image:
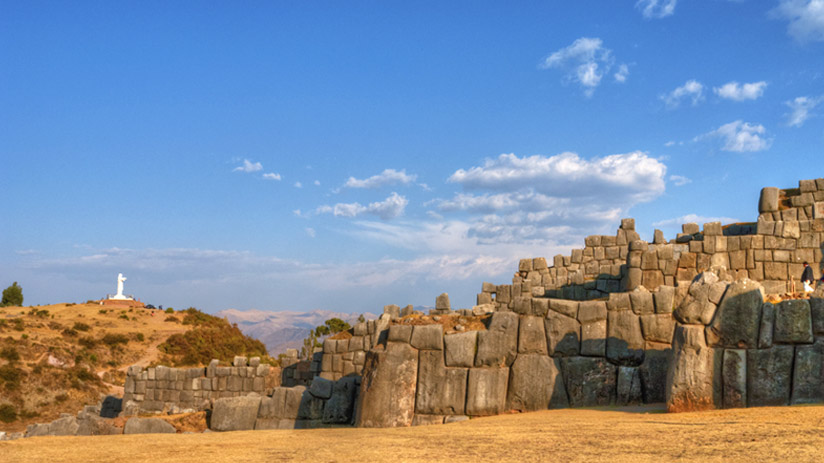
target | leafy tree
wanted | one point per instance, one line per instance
(13, 295)
(329, 327)
(361, 318)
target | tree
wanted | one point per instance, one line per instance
(329, 327)
(13, 295)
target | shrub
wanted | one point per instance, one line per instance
(170, 310)
(13, 295)
(61, 398)
(18, 324)
(55, 326)
(113, 339)
(139, 337)
(123, 316)
(69, 332)
(102, 311)
(213, 338)
(87, 342)
(7, 413)
(171, 318)
(12, 376)
(10, 354)
(79, 326)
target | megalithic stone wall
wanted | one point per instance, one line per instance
(743, 351)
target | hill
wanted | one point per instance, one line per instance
(282, 330)
(57, 358)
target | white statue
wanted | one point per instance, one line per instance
(120, 295)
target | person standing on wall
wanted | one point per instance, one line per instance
(807, 278)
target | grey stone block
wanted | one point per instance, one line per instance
(808, 378)
(625, 341)
(590, 382)
(793, 322)
(486, 391)
(460, 349)
(653, 372)
(734, 378)
(387, 394)
(321, 388)
(769, 372)
(427, 337)
(628, 388)
(441, 390)
(563, 335)
(535, 383)
(148, 426)
(658, 327)
(339, 408)
(498, 345)
(400, 333)
(737, 320)
(694, 376)
(641, 301)
(532, 336)
(765, 331)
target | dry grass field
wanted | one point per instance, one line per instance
(619, 435)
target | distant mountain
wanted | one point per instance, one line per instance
(284, 329)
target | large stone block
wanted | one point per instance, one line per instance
(311, 407)
(625, 341)
(427, 337)
(765, 331)
(563, 335)
(654, 372)
(321, 388)
(594, 338)
(400, 333)
(565, 307)
(641, 301)
(339, 408)
(590, 381)
(737, 319)
(442, 302)
(628, 389)
(658, 327)
(817, 310)
(441, 390)
(793, 322)
(769, 372)
(734, 378)
(768, 201)
(664, 299)
(151, 426)
(694, 376)
(387, 394)
(235, 413)
(535, 383)
(808, 380)
(498, 345)
(532, 336)
(460, 349)
(696, 306)
(486, 391)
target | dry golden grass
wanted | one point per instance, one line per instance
(756, 434)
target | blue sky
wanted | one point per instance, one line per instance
(348, 155)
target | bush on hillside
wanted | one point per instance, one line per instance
(13, 295)
(7, 413)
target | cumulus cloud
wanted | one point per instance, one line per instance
(801, 109)
(692, 89)
(693, 218)
(806, 19)
(271, 176)
(310, 232)
(679, 180)
(734, 91)
(391, 207)
(385, 178)
(656, 9)
(248, 167)
(298, 185)
(740, 137)
(585, 62)
(622, 73)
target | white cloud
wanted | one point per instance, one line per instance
(679, 180)
(298, 185)
(248, 166)
(656, 8)
(806, 19)
(691, 89)
(271, 176)
(585, 62)
(740, 137)
(391, 207)
(693, 218)
(802, 108)
(387, 177)
(310, 232)
(736, 92)
(317, 182)
(622, 73)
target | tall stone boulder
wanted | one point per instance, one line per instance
(625, 341)
(694, 376)
(734, 378)
(460, 349)
(653, 372)
(593, 318)
(768, 201)
(339, 408)
(387, 394)
(738, 317)
(793, 322)
(628, 388)
(486, 391)
(590, 381)
(769, 375)
(498, 345)
(563, 335)
(233, 414)
(697, 306)
(532, 336)
(535, 383)
(808, 374)
(441, 390)
(148, 426)
(817, 310)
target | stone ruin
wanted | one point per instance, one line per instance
(685, 322)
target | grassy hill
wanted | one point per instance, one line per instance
(55, 359)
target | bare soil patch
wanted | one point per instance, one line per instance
(611, 435)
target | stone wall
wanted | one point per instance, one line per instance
(163, 388)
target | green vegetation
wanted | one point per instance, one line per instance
(10, 377)
(79, 326)
(170, 310)
(13, 295)
(211, 338)
(10, 354)
(330, 327)
(7, 413)
(114, 339)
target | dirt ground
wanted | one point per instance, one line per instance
(614, 435)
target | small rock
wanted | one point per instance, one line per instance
(459, 328)
(436, 318)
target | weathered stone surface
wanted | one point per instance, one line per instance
(339, 407)
(321, 388)
(641, 301)
(293, 396)
(808, 380)
(765, 331)
(793, 322)
(817, 310)
(387, 394)
(768, 201)
(92, 425)
(628, 389)
(562, 306)
(64, 426)
(455, 419)
(460, 349)
(737, 319)
(532, 336)
(535, 383)
(618, 302)
(625, 342)
(441, 390)
(311, 407)
(769, 372)
(590, 381)
(592, 311)
(734, 378)
(694, 376)
(400, 333)
(658, 327)
(696, 306)
(594, 339)
(233, 414)
(149, 426)
(664, 299)
(442, 302)
(654, 372)
(427, 337)
(498, 345)
(563, 335)
(426, 420)
(486, 391)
